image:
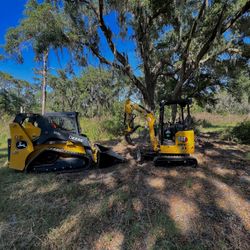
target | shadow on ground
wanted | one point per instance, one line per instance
(132, 206)
(3, 153)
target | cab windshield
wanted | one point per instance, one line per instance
(63, 122)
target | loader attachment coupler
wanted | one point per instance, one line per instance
(107, 157)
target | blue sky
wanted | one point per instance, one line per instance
(11, 12)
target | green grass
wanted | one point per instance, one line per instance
(208, 122)
(217, 127)
(94, 130)
(4, 134)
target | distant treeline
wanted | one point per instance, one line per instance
(95, 92)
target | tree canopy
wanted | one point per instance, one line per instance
(41, 29)
(187, 46)
(183, 48)
(92, 93)
(16, 95)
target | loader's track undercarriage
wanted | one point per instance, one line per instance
(55, 159)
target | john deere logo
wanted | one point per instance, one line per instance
(74, 138)
(21, 144)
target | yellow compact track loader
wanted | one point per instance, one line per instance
(54, 142)
(172, 143)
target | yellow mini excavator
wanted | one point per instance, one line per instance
(172, 142)
(54, 142)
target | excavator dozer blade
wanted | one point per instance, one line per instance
(107, 157)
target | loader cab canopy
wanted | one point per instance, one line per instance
(67, 121)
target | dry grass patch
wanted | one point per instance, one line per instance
(110, 240)
(156, 183)
(221, 119)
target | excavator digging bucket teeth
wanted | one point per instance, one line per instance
(128, 134)
(170, 161)
(107, 157)
(129, 140)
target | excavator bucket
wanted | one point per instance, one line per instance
(106, 157)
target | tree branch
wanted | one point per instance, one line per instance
(239, 13)
(124, 67)
(193, 28)
(103, 60)
(191, 35)
(211, 38)
(225, 49)
(108, 34)
(122, 59)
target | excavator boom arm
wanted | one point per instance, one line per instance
(130, 128)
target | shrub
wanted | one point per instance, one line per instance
(206, 124)
(242, 132)
(227, 135)
(114, 123)
(227, 103)
(239, 133)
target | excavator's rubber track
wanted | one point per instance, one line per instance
(174, 161)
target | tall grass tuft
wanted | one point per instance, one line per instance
(4, 130)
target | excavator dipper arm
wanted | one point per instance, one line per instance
(129, 126)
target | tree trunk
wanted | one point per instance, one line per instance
(148, 93)
(149, 97)
(176, 95)
(44, 84)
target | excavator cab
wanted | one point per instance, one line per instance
(176, 137)
(169, 123)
